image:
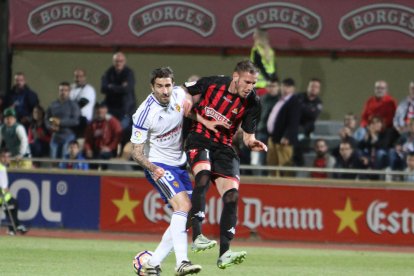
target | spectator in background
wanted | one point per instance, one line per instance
(310, 109)
(380, 105)
(263, 56)
(322, 160)
(374, 146)
(22, 99)
(268, 101)
(282, 126)
(409, 177)
(311, 106)
(117, 85)
(39, 135)
(10, 203)
(61, 118)
(405, 111)
(85, 96)
(15, 139)
(347, 159)
(76, 156)
(349, 132)
(102, 135)
(403, 146)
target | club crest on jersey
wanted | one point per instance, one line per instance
(175, 183)
(177, 107)
(211, 112)
(235, 111)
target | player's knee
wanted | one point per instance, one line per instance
(231, 196)
(202, 179)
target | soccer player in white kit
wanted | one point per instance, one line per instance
(157, 147)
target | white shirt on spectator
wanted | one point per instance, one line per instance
(88, 92)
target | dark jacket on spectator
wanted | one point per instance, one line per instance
(310, 110)
(287, 122)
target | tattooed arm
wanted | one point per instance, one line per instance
(138, 155)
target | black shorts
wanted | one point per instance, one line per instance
(223, 159)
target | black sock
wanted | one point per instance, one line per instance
(228, 219)
(198, 201)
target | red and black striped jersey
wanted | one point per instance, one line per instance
(217, 103)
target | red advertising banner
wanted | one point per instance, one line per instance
(274, 212)
(299, 24)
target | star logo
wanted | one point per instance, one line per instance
(348, 217)
(126, 207)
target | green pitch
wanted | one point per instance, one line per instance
(42, 256)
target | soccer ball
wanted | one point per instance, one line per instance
(139, 260)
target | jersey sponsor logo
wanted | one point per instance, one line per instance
(169, 134)
(211, 112)
(75, 12)
(377, 17)
(172, 14)
(278, 15)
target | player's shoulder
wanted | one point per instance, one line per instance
(148, 105)
(219, 79)
(253, 98)
(178, 91)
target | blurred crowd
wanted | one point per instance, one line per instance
(382, 138)
(76, 127)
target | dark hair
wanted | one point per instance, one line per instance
(160, 73)
(410, 154)
(320, 140)
(100, 105)
(74, 142)
(348, 140)
(246, 66)
(64, 83)
(288, 82)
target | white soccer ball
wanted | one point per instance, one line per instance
(139, 260)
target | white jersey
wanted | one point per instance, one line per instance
(88, 92)
(160, 128)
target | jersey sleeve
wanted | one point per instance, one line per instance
(252, 116)
(141, 123)
(198, 87)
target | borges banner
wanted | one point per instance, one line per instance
(298, 25)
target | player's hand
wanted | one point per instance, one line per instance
(256, 145)
(187, 105)
(212, 125)
(157, 173)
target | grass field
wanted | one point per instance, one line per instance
(55, 256)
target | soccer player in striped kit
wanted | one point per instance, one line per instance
(231, 100)
(157, 147)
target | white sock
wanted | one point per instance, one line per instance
(179, 236)
(163, 248)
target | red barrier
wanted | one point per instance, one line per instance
(274, 212)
